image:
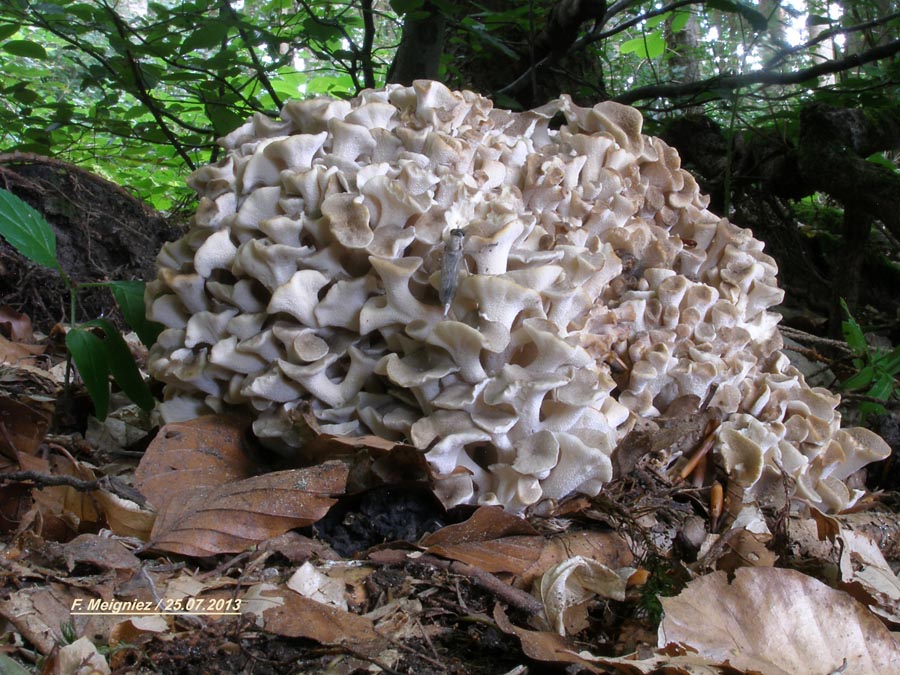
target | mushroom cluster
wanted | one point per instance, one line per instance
(508, 292)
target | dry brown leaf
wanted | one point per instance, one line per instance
(543, 645)
(486, 524)
(607, 548)
(64, 511)
(189, 456)
(104, 552)
(301, 617)
(24, 427)
(232, 517)
(507, 554)
(867, 576)
(778, 622)
(19, 354)
(15, 325)
(124, 517)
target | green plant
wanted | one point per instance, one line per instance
(97, 347)
(876, 369)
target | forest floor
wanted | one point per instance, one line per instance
(132, 549)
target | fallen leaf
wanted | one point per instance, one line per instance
(486, 524)
(103, 552)
(508, 554)
(543, 645)
(575, 580)
(24, 427)
(778, 622)
(867, 576)
(19, 354)
(15, 325)
(124, 517)
(311, 583)
(79, 657)
(232, 517)
(189, 456)
(301, 617)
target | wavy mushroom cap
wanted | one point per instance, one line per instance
(593, 288)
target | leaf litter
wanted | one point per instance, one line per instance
(351, 565)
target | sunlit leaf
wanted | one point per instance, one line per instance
(27, 231)
(648, 47)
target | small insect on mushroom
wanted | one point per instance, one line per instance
(453, 256)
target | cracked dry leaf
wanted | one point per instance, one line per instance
(232, 517)
(311, 583)
(778, 622)
(867, 576)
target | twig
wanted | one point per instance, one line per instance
(42, 480)
(809, 338)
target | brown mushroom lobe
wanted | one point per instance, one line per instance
(591, 288)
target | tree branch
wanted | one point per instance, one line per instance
(732, 82)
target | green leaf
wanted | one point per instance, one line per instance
(756, 19)
(8, 30)
(881, 160)
(89, 356)
(122, 366)
(883, 387)
(27, 231)
(654, 21)
(853, 333)
(25, 48)
(129, 296)
(224, 120)
(648, 47)
(680, 21)
(861, 379)
(209, 36)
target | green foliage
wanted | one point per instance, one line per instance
(26, 231)
(96, 358)
(876, 369)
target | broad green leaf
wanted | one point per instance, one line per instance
(648, 47)
(891, 362)
(655, 21)
(26, 230)
(25, 48)
(756, 19)
(224, 120)
(853, 333)
(861, 379)
(8, 30)
(122, 366)
(680, 21)
(90, 359)
(209, 36)
(129, 296)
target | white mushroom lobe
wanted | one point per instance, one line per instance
(507, 297)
